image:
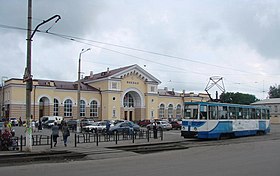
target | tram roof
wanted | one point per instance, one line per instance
(225, 104)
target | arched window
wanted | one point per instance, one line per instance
(55, 107)
(178, 112)
(93, 109)
(161, 111)
(128, 100)
(82, 108)
(68, 108)
(170, 111)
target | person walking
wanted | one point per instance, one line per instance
(65, 133)
(55, 133)
(155, 129)
(107, 127)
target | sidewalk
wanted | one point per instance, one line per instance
(83, 150)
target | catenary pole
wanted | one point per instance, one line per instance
(28, 79)
(27, 74)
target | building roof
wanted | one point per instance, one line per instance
(122, 72)
(66, 85)
(105, 74)
(267, 101)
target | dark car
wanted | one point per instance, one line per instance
(124, 127)
(143, 123)
(72, 124)
(176, 125)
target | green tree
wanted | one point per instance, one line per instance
(274, 91)
(238, 98)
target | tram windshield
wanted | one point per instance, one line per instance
(191, 111)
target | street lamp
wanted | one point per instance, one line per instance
(79, 90)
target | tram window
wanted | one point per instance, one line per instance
(191, 111)
(212, 112)
(258, 114)
(203, 112)
(253, 114)
(232, 112)
(245, 113)
(222, 112)
(264, 114)
(188, 113)
(239, 113)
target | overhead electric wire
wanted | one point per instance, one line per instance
(73, 38)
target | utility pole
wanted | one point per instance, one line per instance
(28, 79)
(27, 73)
(79, 90)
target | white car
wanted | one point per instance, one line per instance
(95, 127)
(162, 124)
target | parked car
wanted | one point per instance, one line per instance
(122, 127)
(143, 123)
(162, 124)
(13, 121)
(176, 125)
(95, 127)
(57, 119)
(48, 123)
(85, 122)
(72, 124)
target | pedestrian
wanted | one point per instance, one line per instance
(55, 133)
(107, 126)
(20, 121)
(65, 133)
(155, 129)
(40, 125)
(33, 125)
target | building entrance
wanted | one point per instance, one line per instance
(128, 115)
(131, 101)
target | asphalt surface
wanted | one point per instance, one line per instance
(108, 150)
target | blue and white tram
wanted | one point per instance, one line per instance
(209, 120)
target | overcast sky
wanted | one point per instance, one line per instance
(181, 42)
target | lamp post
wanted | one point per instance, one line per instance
(79, 89)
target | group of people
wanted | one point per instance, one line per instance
(65, 133)
(6, 136)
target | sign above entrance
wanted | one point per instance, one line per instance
(132, 82)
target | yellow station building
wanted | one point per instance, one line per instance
(129, 93)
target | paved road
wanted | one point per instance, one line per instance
(258, 155)
(248, 158)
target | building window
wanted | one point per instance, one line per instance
(114, 98)
(114, 85)
(170, 111)
(152, 88)
(178, 112)
(161, 111)
(93, 109)
(152, 114)
(68, 108)
(82, 108)
(276, 108)
(128, 100)
(55, 107)
(114, 113)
